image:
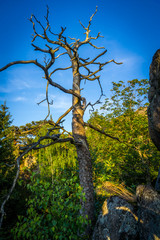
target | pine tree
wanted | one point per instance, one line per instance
(6, 149)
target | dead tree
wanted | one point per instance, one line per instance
(70, 46)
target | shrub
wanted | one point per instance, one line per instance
(53, 210)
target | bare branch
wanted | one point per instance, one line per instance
(95, 46)
(57, 141)
(55, 138)
(98, 35)
(92, 18)
(70, 91)
(47, 100)
(41, 101)
(76, 40)
(62, 116)
(97, 102)
(61, 54)
(87, 29)
(88, 78)
(13, 186)
(57, 69)
(118, 63)
(61, 39)
(62, 31)
(38, 21)
(93, 60)
(90, 74)
(82, 25)
(84, 60)
(39, 49)
(46, 17)
(22, 62)
(101, 131)
(89, 24)
(34, 29)
(8, 165)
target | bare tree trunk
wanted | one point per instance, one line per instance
(84, 157)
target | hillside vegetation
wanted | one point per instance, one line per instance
(46, 201)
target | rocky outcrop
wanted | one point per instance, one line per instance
(116, 221)
(148, 201)
(120, 220)
(154, 106)
(157, 185)
(154, 100)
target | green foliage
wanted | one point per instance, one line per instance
(53, 205)
(53, 209)
(134, 160)
(54, 157)
(126, 98)
(7, 174)
(7, 158)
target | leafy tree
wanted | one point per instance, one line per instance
(82, 69)
(133, 159)
(53, 209)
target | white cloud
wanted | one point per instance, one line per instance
(19, 84)
(60, 102)
(20, 99)
(22, 78)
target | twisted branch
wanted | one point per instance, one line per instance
(37, 145)
(101, 131)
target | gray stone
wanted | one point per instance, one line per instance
(154, 99)
(148, 201)
(157, 185)
(117, 221)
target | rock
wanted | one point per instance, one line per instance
(148, 201)
(154, 100)
(117, 221)
(157, 185)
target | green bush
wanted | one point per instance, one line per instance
(53, 210)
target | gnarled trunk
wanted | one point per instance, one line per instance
(84, 157)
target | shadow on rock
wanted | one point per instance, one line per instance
(120, 220)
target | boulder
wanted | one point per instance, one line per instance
(148, 202)
(154, 105)
(120, 220)
(157, 185)
(154, 100)
(117, 221)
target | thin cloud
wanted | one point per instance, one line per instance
(20, 99)
(23, 79)
(60, 102)
(5, 89)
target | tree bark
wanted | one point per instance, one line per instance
(84, 157)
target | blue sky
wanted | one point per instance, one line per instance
(131, 35)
